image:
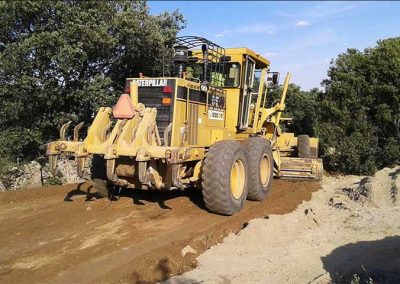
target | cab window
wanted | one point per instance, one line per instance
(232, 74)
(229, 78)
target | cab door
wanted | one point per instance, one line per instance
(247, 93)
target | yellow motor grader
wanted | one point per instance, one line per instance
(210, 124)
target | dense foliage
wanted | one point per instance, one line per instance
(301, 106)
(357, 117)
(61, 60)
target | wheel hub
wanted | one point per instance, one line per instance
(265, 170)
(238, 178)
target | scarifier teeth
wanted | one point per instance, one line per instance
(64, 129)
(53, 164)
(80, 166)
(76, 131)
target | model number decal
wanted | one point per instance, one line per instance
(215, 114)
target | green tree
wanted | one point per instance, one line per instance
(359, 112)
(61, 60)
(357, 116)
(301, 106)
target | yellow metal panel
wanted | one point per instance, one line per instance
(232, 109)
(179, 119)
(314, 142)
(216, 135)
(240, 51)
(202, 138)
(229, 135)
(287, 140)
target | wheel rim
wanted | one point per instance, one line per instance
(265, 170)
(238, 177)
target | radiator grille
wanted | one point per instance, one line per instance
(152, 97)
(193, 123)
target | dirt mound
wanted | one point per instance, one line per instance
(349, 230)
(380, 190)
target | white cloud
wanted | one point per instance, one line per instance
(223, 33)
(303, 66)
(322, 11)
(330, 9)
(249, 29)
(318, 37)
(284, 14)
(255, 29)
(220, 35)
(308, 75)
(302, 24)
(270, 54)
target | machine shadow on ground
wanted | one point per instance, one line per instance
(378, 261)
(81, 189)
(160, 197)
(139, 196)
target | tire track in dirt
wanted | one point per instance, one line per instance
(61, 234)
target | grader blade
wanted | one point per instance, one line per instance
(300, 168)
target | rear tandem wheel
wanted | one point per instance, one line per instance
(260, 167)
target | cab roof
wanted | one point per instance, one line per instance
(260, 60)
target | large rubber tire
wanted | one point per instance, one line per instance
(99, 175)
(224, 177)
(303, 146)
(260, 165)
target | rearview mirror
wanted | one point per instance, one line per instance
(273, 78)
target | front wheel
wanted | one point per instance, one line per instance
(303, 146)
(224, 178)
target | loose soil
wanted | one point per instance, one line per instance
(63, 234)
(349, 232)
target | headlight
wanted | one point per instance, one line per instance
(204, 87)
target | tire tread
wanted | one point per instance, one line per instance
(215, 178)
(255, 147)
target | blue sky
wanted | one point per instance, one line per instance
(301, 37)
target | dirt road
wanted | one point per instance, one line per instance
(61, 234)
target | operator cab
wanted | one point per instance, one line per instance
(238, 71)
(246, 81)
